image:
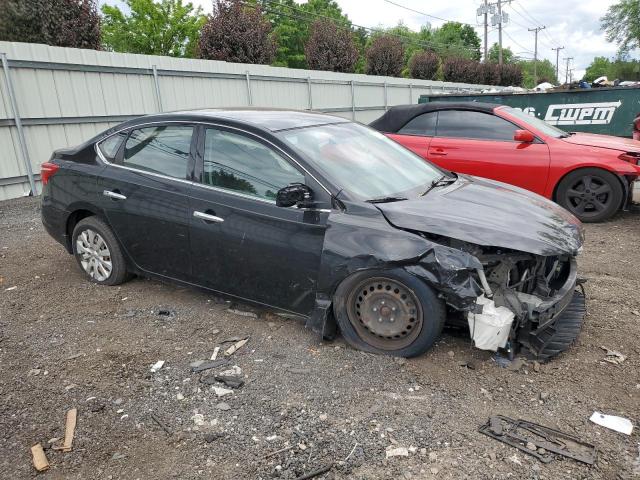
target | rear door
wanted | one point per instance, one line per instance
(241, 242)
(145, 198)
(481, 144)
(416, 135)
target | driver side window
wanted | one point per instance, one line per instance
(241, 164)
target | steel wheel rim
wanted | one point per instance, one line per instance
(589, 195)
(94, 255)
(385, 313)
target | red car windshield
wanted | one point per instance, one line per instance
(536, 123)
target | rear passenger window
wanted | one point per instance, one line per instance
(111, 145)
(163, 149)
(476, 125)
(242, 164)
(424, 124)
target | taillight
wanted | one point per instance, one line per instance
(48, 170)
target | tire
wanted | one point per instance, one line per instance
(591, 194)
(389, 312)
(89, 239)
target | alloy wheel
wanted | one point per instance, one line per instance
(385, 313)
(589, 195)
(94, 254)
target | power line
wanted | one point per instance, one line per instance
(524, 49)
(426, 14)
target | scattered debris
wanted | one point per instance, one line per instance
(470, 364)
(235, 347)
(613, 356)
(157, 366)
(10, 288)
(40, 461)
(223, 406)
(214, 355)
(74, 356)
(315, 473)
(537, 440)
(232, 340)
(212, 437)
(351, 452)
(278, 451)
(536, 367)
(234, 371)
(619, 424)
(230, 381)
(221, 392)
(69, 430)
(397, 451)
(33, 372)
(201, 367)
(166, 313)
(198, 419)
(242, 313)
(161, 424)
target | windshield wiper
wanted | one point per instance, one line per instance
(386, 199)
(442, 181)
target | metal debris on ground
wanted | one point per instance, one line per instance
(619, 424)
(235, 347)
(230, 381)
(157, 366)
(40, 461)
(69, 430)
(315, 473)
(242, 313)
(613, 356)
(161, 424)
(397, 451)
(525, 436)
(201, 367)
(166, 313)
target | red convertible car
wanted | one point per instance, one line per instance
(590, 175)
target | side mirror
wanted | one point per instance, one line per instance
(524, 136)
(294, 194)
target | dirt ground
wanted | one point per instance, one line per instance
(66, 343)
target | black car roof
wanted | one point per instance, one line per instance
(265, 118)
(397, 117)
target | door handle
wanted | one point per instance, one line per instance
(114, 195)
(438, 151)
(207, 217)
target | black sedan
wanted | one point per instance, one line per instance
(315, 215)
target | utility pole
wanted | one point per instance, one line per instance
(486, 30)
(557, 50)
(500, 32)
(566, 77)
(535, 55)
(497, 18)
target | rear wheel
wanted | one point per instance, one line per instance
(388, 311)
(98, 253)
(591, 194)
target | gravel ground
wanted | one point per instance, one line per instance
(66, 343)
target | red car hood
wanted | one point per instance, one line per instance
(604, 141)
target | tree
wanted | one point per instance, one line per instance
(168, 27)
(494, 54)
(385, 56)
(331, 47)
(463, 70)
(511, 75)
(237, 33)
(454, 39)
(424, 65)
(546, 72)
(622, 24)
(62, 23)
(599, 67)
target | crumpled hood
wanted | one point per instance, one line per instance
(604, 141)
(490, 213)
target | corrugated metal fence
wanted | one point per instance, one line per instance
(55, 97)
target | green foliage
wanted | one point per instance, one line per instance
(385, 56)
(494, 54)
(453, 39)
(613, 69)
(424, 65)
(167, 27)
(545, 69)
(331, 47)
(599, 67)
(62, 23)
(622, 24)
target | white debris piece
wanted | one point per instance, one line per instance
(157, 366)
(234, 371)
(235, 347)
(619, 424)
(221, 392)
(214, 355)
(397, 451)
(490, 329)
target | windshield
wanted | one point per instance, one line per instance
(362, 161)
(536, 123)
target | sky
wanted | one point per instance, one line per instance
(573, 24)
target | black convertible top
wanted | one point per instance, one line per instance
(397, 117)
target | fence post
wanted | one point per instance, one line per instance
(353, 101)
(386, 98)
(410, 93)
(249, 88)
(157, 85)
(16, 118)
(309, 93)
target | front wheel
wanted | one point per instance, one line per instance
(388, 311)
(591, 194)
(98, 253)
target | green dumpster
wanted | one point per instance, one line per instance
(608, 111)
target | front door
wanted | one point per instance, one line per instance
(145, 197)
(482, 144)
(243, 244)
